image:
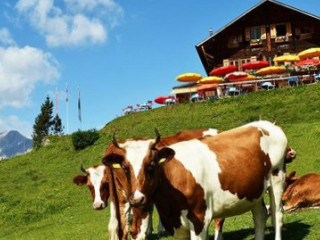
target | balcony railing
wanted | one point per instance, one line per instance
(255, 42)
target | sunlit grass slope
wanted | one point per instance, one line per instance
(39, 201)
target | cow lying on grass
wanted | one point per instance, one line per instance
(302, 192)
(192, 182)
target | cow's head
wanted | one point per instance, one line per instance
(116, 160)
(149, 175)
(290, 179)
(290, 154)
(120, 170)
(96, 179)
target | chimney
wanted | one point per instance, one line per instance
(210, 31)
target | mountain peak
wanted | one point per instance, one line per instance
(13, 143)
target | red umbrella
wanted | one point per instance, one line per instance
(235, 75)
(162, 99)
(256, 65)
(223, 70)
(307, 62)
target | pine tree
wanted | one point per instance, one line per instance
(43, 123)
(57, 126)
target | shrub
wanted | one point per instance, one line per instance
(83, 139)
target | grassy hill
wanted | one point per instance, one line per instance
(39, 201)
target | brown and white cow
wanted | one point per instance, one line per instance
(302, 192)
(104, 182)
(192, 182)
(130, 152)
(289, 157)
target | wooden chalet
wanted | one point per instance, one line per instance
(267, 30)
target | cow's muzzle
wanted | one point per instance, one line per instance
(291, 155)
(99, 205)
(137, 199)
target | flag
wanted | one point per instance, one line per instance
(79, 105)
(67, 94)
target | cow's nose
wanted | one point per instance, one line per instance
(137, 198)
(98, 205)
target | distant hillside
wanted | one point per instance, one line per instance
(39, 201)
(12, 143)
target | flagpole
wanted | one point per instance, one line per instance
(67, 107)
(57, 101)
(79, 107)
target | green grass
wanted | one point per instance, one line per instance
(39, 201)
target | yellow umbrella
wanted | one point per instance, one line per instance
(189, 77)
(271, 70)
(287, 58)
(309, 53)
(211, 79)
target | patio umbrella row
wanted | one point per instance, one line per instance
(230, 73)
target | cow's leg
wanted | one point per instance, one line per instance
(259, 213)
(113, 223)
(218, 224)
(161, 229)
(203, 235)
(276, 192)
(150, 223)
(124, 216)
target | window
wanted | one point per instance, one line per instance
(281, 30)
(234, 40)
(255, 33)
(305, 30)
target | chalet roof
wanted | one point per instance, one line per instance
(254, 7)
(190, 84)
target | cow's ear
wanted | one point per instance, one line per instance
(291, 174)
(80, 180)
(164, 155)
(112, 158)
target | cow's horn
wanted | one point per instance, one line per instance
(82, 169)
(114, 140)
(157, 138)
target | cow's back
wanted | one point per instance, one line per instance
(231, 169)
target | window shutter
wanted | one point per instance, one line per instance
(247, 34)
(289, 29)
(273, 31)
(263, 32)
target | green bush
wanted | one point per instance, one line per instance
(83, 139)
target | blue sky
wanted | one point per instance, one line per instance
(119, 52)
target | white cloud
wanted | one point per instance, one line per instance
(14, 123)
(73, 22)
(21, 69)
(5, 38)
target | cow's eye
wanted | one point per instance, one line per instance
(150, 167)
